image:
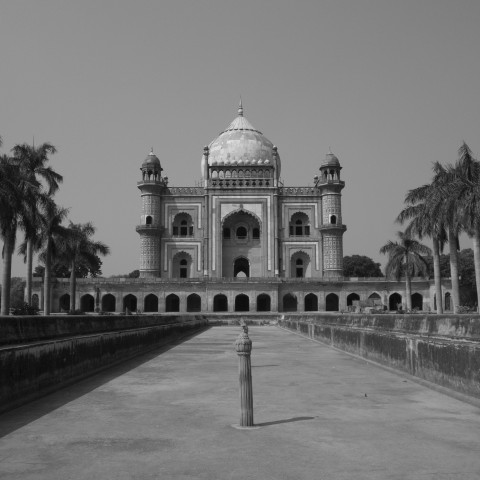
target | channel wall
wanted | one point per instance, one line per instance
(41, 354)
(441, 349)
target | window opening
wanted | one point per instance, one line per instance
(241, 233)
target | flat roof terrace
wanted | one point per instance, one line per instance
(319, 414)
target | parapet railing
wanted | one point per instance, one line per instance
(206, 280)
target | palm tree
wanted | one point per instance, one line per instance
(405, 257)
(422, 224)
(79, 248)
(442, 207)
(16, 192)
(33, 160)
(54, 234)
(464, 190)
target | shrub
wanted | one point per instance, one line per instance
(25, 309)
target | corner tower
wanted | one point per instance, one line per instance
(150, 229)
(332, 228)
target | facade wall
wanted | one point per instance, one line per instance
(323, 293)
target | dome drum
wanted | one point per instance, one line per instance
(241, 145)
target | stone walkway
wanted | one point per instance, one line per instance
(168, 415)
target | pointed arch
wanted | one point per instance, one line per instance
(182, 265)
(332, 302)
(352, 298)
(172, 303)
(394, 301)
(87, 303)
(64, 302)
(311, 303)
(241, 211)
(150, 303)
(194, 303)
(300, 264)
(130, 302)
(417, 301)
(108, 303)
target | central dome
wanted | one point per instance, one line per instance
(242, 144)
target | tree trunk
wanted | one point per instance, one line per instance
(28, 285)
(408, 292)
(73, 287)
(9, 245)
(476, 261)
(408, 286)
(452, 244)
(46, 280)
(437, 276)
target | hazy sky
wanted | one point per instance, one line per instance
(390, 86)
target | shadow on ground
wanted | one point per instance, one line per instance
(39, 407)
(288, 420)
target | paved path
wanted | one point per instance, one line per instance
(168, 415)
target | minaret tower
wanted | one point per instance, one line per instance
(150, 229)
(332, 227)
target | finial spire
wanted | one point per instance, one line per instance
(240, 108)
(151, 151)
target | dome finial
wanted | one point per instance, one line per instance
(240, 108)
(151, 151)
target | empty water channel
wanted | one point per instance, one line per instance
(168, 414)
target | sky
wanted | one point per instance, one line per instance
(390, 86)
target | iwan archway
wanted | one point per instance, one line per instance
(241, 267)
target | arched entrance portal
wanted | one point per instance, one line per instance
(241, 241)
(130, 303)
(263, 303)
(108, 303)
(417, 301)
(311, 302)
(172, 303)
(331, 303)
(65, 302)
(220, 303)
(194, 303)
(395, 301)
(241, 265)
(352, 298)
(242, 303)
(87, 303)
(289, 303)
(150, 303)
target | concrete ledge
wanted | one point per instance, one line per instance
(411, 345)
(30, 370)
(18, 329)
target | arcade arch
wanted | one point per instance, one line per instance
(172, 303)
(194, 303)
(108, 303)
(331, 303)
(150, 303)
(87, 303)
(311, 303)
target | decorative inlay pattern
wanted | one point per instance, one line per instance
(331, 205)
(332, 252)
(151, 205)
(149, 252)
